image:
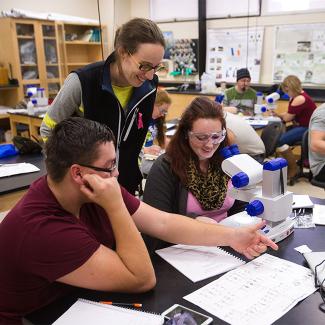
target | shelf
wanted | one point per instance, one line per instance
(6, 87)
(49, 38)
(25, 37)
(52, 64)
(30, 81)
(81, 43)
(52, 80)
(28, 65)
(77, 63)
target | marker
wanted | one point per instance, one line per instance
(137, 305)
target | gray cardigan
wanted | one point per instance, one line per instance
(163, 190)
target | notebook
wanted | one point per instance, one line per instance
(313, 259)
(85, 312)
(199, 262)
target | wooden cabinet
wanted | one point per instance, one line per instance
(31, 49)
(80, 44)
(41, 53)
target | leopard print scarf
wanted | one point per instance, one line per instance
(211, 189)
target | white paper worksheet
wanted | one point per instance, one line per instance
(15, 169)
(258, 292)
(199, 262)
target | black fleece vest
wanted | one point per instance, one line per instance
(101, 105)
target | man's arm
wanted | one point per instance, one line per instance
(129, 268)
(317, 141)
(66, 103)
(183, 230)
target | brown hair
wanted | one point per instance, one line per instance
(179, 150)
(74, 140)
(161, 98)
(293, 83)
(137, 31)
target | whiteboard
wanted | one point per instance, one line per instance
(231, 49)
(300, 50)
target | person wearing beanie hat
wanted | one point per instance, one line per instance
(241, 98)
(243, 73)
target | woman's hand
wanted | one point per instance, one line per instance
(152, 150)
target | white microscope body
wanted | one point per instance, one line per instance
(264, 187)
(271, 101)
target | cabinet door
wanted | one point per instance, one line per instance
(27, 52)
(50, 48)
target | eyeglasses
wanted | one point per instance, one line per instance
(216, 137)
(146, 67)
(162, 111)
(101, 169)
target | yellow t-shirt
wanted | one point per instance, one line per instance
(123, 94)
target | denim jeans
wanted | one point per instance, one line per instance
(292, 136)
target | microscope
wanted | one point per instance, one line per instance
(271, 101)
(264, 187)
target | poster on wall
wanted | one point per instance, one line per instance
(182, 53)
(300, 50)
(231, 49)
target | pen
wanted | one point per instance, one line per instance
(121, 304)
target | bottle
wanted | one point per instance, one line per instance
(30, 106)
(259, 98)
(198, 85)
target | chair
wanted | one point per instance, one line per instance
(270, 136)
(304, 163)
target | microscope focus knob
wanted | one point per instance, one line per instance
(240, 180)
(255, 208)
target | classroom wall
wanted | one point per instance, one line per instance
(190, 29)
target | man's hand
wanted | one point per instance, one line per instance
(106, 192)
(250, 242)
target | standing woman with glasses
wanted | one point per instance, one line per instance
(188, 178)
(119, 92)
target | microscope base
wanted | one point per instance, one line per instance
(277, 233)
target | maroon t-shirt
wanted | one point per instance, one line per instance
(40, 242)
(304, 111)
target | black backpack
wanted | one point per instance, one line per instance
(26, 145)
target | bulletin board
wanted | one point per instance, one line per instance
(231, 49)
(300, 50)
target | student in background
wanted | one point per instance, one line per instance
(317, 143)
(241, 98)
(76, 227)
(156, 140)
(188, 178)
(119, 92)
(300, 110)
(245, 136)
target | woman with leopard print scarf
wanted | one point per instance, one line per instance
(188, 178)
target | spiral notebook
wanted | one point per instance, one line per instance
(199, 262)
(85, 312)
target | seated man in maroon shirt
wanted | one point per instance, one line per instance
(62, 232)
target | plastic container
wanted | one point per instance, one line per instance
(30, 107)
(259, 98)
